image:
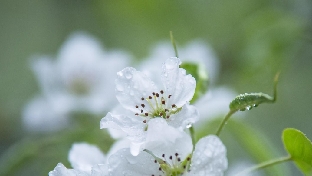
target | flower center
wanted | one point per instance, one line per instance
(156, 105)
(174, 166)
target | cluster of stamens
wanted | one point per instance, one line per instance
(157, 103)
(174, 166)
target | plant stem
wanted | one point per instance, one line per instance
(265, 164)
(226, 118)
(174, 45)
(192, 132)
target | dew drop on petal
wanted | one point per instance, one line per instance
(189, 125)
(119, 87)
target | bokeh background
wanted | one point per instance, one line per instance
(253, 39)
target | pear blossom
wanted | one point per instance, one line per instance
(169, 152)
(86, 160)
(80, 78)
(142, 101)
(195, 51)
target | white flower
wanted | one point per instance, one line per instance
(44, 115)
(196, 51)
(81, 78)
(142, 100)
(86, 160)
(172, 150)
(82, 73)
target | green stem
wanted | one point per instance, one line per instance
(275, 87)
(174, 45)
(265, 164)
(226, 118)
(192, 132)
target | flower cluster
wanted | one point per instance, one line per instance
(78, 80)
(152, 122)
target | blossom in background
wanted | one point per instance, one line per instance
(172, 150)
(142, 100)
(81, 78)
(196, 52)
(86, 160)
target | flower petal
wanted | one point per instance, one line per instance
(180, 86)
(131, 86)
(100, 170)
(83, 156)
(132, 126)
(164, 139)
(209, 157)
(187, 116)
(61, 170)
(124, 163)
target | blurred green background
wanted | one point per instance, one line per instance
(253, 39)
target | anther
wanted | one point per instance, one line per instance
(188, 158)
(153, 93)
(163, 155)
(141, 110)
(179, 159)
(176, 154)
(146, 114)
(157, 94)
(144, 121)
(169, 96)
(166, 110)
(150, 97)
(143, 105)
(173, 105)
(136, 114)
(142, 98)
(163, 102)
(160, 168)
(136, 106)
(161, 114)
(170, 157)
(155, 161)
(167, 117)
(161, 91)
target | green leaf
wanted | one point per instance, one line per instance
(299, 148)
(201, 76)
(249, 100)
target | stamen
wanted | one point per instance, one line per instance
(169, 96)
(142, 98)
(146, 114)
(155, 161)
(162, 92)
(141, 110)
(144, 121)
(163, 155)
(173, 105)
(150, 97)
(136, 114)
(167, 117)
(136, 106)
(143, 105)
(170, 157)
(153, 93)
(157, 95)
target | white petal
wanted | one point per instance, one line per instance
(215, 103)
(131, 86)
(132, 126)
(119, 144)
(186, 117)
(83, 156)
(46, 72)
(209, 157)
(61, 170)
(100, 170)
(164, 139)
(123, 163)
(180, 86)
(40, 114)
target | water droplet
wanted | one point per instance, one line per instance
(128, 75)
(249, 107)
(119, 87)
(189, 125)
